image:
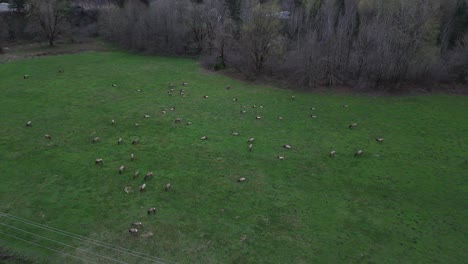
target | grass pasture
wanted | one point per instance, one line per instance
(404, 201)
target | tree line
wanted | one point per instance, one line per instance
(363, 44)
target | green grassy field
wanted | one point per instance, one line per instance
(404, 201)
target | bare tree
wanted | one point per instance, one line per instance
(259, 35)
(52, 16)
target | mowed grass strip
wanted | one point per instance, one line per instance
(403, 200)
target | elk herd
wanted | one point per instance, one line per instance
(134, 228)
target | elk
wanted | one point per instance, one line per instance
(96, 140)
(250, 147)
(261, 106)
(332, 153)
(128, 189)
(60, 71)
(135, 175)
(136, 124)
(254, 106)
(286, 146)
(293, 97)
(234, 99)
(280, 157)
(133, 230)
(250, 140)
(119, 141)
(48, 136)
(280, 118)
(151, 210)
(358, 153)
(313, 116)
(136, 141)
(243, 111)
(99, 161)
(121, 169)
(345, 106)
(113, 122)
(171, 85)
(114, 85)
(189, 123)
(228, 87)
(142, 187)
(137, 224)
(241, 179)
(205, 96)
(132, 157)
(380, 140)
(184, 84)
(204, 138)
(146, 116)
(353, 125)
(148, 175)
(178, 121)
(167, 187)
(25, 77)
(258, 117)
(29, 124)
(235, 133)
(172, 108)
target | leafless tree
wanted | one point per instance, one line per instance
(52, 16)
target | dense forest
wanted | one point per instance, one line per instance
(364, 44)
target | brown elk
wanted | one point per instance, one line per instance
(99, 161)
(121, 169)
(135, 141)
(352, 125)
(241, 179)
(286, 146)
(152, 210)
(358, 153)
(135, 175)
(148, 175)
(204, 138)
(133, 230)
(332, 153)
(119, 141)
(142, 187)
(380, 140)
(48, 136)
(96, 140)
(132, 157)
(29, 124)
(167, 187)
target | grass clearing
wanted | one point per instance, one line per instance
(404, 200)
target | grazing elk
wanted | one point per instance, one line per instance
(189, 123)
(121, 169)
(280, 118)
(60, 71)
(133, 231)
(167, 187)
(234, 99)
(286, 146)
(137, 224)
(345, 106)
(250, 147)
(184, 83)
(142, 187)
(243, 111)
(128, 189)
(235, 133)
(293, 97)
(25, 77)
(358, 153)
(332, 153)
(228, 87)
(136, 124)
(99, 162)
(48, 136)
(204, 138)
(171, 85)
(135, 175)
(353, 125)
(258, 117)
(119, 141)
(146, 116)
(241, 179)
(113, 122)
(250, 140)
(151, 210)
(313, 116)
(114, 85)
(29, 124)
(148, 175)
(280, 157)
(136, 141)
(172, 109)
(205, 96)
(132, 157)
(178, 120)
(96, 140)
(380, 140)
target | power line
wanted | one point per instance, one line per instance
(51, 249)
(88, 240)
(63, 244)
